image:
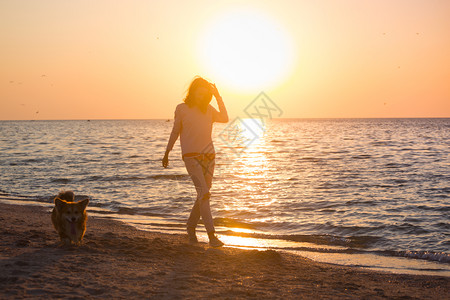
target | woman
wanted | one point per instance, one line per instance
(193, 123)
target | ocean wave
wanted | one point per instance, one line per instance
(42, 199)
(360, 242)
(380, 143)
(170, 177)
(14, 196)
(330, 186)
(397, 165)
(137, 178)
(408, 228)
(347, 245)
(362, 156)
(278, 141)
(359, 202)
(147, 212)
(354, 242)
(233, 223)
(426, 255)
(33, 160)
(3, 193)
(311, 159)
(60, 180)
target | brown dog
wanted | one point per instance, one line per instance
(69, 218)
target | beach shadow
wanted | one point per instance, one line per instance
(32, 262)
(185, 273)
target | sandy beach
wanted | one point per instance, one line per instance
(119, 261)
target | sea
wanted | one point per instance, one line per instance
(371, 193)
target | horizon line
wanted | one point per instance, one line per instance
(169, 119)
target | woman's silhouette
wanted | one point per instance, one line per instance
(193, 123)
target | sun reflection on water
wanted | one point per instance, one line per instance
(252, 170)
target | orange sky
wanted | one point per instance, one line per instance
(134, 59)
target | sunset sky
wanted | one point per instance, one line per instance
(135, 59)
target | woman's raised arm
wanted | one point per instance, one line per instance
(222, 115)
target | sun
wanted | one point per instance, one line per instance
(245, 50)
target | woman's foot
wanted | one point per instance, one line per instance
(192, 236)
(214, 241)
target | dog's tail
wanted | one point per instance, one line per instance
(69, 196)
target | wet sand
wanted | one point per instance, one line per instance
(119, 261)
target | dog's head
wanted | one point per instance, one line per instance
(69, 196)
(71, 211)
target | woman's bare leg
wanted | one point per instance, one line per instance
(201, 173)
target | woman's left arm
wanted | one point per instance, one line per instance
(222, 115)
